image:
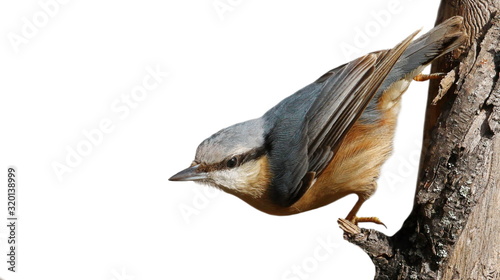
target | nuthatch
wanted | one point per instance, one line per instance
(327, 140)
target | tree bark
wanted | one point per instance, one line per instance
(453, 231)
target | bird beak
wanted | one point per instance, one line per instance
(189, 174)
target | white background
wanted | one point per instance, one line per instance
(115, 215)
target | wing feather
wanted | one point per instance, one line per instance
(339, 106)
(301, 147)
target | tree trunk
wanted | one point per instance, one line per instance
(453, 231)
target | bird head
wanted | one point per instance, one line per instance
(233, 159)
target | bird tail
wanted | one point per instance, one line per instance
(440, 40)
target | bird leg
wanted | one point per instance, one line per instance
(351, 217)
(425, 77)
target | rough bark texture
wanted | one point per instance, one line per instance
(453, 231)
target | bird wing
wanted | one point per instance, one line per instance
(344, 93)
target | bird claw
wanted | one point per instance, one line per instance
(375, 220)
(355, 220)
(351, 226)
(348, 227)
(425, 77)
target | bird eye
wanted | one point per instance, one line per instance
(232, 162)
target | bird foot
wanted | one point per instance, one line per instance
(351, 225)
(355, 220)
(425, 77)
(348, 227)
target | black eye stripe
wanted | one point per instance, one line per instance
(243, 158)
(251, 155)
(240, 159)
